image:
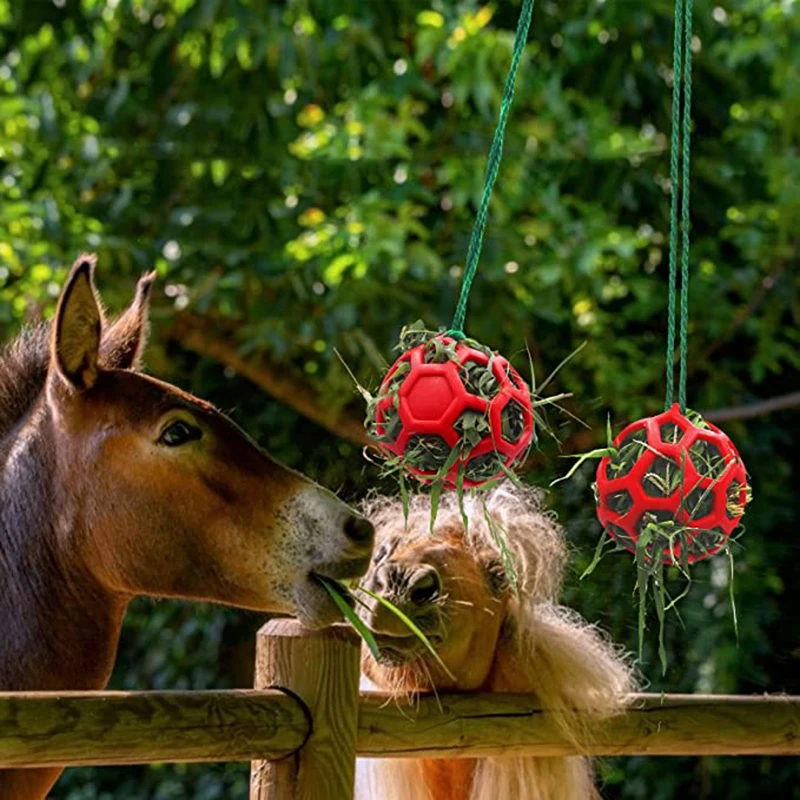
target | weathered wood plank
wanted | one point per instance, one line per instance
(322, 668)
(97, 728)
(479, 725)
(81, 728)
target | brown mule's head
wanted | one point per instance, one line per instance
(164, 495)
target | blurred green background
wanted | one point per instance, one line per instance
(304, 176)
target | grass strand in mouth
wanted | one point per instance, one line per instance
(340, 594)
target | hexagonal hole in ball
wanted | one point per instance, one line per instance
(662, 478)
(483, 468)
(734, 506)
(700, 502)
(392, 425)
(620, 502)
(427, 451)
(704, 542)
(512, 419)
(671, 433)
(661, 536)
(707, 459)
(478, 379)
(628, 452)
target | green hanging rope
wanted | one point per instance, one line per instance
(679, 148)
(495, 156)
(673, 213)
(671, 535)
(687, 133)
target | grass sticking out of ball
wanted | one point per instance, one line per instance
(464, 421)
(662, 543)
(432, 455)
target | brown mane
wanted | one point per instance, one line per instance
(23, 371)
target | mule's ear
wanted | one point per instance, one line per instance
(77, 327)
(496, 576)
(124, 342)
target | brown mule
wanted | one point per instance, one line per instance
(114, 484)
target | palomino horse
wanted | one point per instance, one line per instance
(453, 584)
(114, 484)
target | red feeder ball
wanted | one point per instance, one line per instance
(428, 404)
(643, 483)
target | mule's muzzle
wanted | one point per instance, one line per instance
(353, 560)
(335, 543)
(359, 531)
(315, 607)
(342, 570)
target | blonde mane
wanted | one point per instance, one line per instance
(532, 534)
(544, 648)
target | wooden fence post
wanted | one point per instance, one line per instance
(322, 669)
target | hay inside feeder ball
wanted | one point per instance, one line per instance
(451, 412)
(676, 480)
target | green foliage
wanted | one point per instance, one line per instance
(304, 177)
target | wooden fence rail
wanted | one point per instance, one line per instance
(83, 728)
(317, 717)
(481, 725)
(103, 728)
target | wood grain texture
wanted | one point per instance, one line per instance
(100, 728)
(322, 668)
(479, 725)
(82, 728)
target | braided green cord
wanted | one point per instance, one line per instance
(687, 133)
(680, 139)
(673, 214)
(495, 155)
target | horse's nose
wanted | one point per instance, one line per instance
(424, 586)
(359, 530)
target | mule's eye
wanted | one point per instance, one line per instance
(178, 433)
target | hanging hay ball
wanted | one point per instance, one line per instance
(672, 484)
(451, 412)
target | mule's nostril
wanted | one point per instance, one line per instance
(359, 530)
(425, 587)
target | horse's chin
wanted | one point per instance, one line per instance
(398, 678)
(397, 651)
(398, 658)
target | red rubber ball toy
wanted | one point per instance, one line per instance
(672, 472)
(444, 395)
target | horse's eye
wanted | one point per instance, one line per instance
(178, 433)
(382, 552)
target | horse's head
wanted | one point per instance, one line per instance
(164, 495)
(452, 583)
(456, 599)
